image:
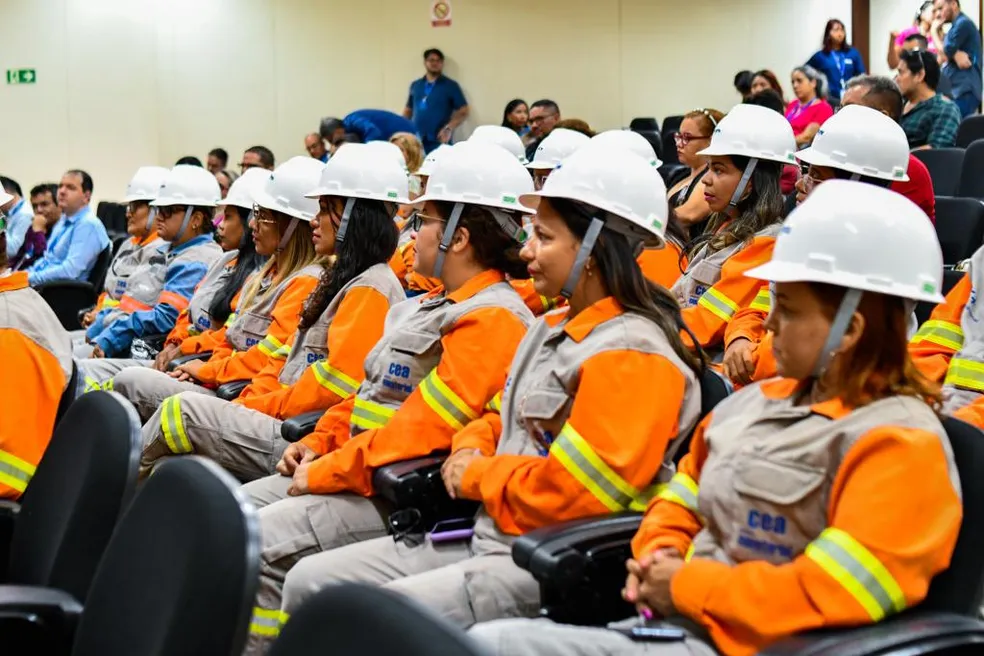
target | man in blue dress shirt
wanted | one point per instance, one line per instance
(436, 104)
(77, 239)
(19, 215)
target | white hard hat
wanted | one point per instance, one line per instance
(557, 146)
(285, 189)
(479, 174)
(500, 136)
(145, 183)
(858, 236)
(627, 140)
(189, 186)
(863, 141)
(389, 149)
(627, 187)
(5, 197)
(756, 132)
(242, 193)
(358, 171)
(432, 157)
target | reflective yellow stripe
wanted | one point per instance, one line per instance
(266, 622)
(547, 303)
(91, 385)
(14, 472)
(367, 414)
(109, 303)
(334, 379)
(193, 332)
(272, 347)
(581, 462)
(495, 404)
(690, 553)
(108, 385)
(943, 333)
(441, 399)
(172, 426)
(763, 301)
(681, 490)
(718, 304)
(967, 374)
(858, 571)
(231, 319)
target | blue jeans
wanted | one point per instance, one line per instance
(967, 104)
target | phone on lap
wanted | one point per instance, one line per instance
(652, 633)
(453, 530)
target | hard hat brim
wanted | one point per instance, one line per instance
(481, 202)
(811, 156)
(795, 272)
(266, 201)
(625, 226)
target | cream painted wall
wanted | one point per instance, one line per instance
(123, 83)
(896, 15)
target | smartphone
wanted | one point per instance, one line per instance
(653, 633)
(453, 530)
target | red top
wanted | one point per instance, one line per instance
(803, 116)
(919, 188)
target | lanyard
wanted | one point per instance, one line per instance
(799, 109)
(428, 88)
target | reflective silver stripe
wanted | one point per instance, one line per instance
(442, 400)
(15, 472)
(719, 304)
(265, 622)
(334, 380)
(681, 490)
(367, 414)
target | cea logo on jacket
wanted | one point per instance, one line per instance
(761, 535)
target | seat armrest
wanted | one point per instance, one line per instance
(580, 566)
(231, 391)
(183, 359)
(912, 632)
(43, 619)
(80, 285)
(296, 428)
(405, 482)
(416, 492)
(9, 511)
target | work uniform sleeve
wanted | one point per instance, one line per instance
(939, 338)
(973, 414)
(180, 281)
(28, 403)
(605, 457)
(333, 429)
(181, 331)
(537, 303)
(749, 322)
(885, 541)
(672, 518)
(483, 433)
(246, 364)
(353, 332)
(477, 352)
(709, 318)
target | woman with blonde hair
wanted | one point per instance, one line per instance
(271, 301)
(413, 150)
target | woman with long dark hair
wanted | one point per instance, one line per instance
(577, 431)
(838, 60)
(341, 321)
(516, 117)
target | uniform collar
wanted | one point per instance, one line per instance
(474, 285)
(197, 241)
(787, 388)
(13, 282)
(581, 326)
(148, 239)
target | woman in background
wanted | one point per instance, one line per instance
(837, 59)
(412, 149)
(921, 24)
(516, 116)
(766, 79)
(809, 110)
(687, 197)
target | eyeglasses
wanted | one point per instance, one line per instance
(544, 117)
(683, 138)
(133, 206)
(263, 215)
(245, 166)
(416, 220)
(168, 211)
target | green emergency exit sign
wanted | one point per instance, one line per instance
(21, 76)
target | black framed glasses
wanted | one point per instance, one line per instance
(168, 211)
(417, 219)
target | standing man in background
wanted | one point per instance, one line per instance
(77, 239)
(436, 104)
(960, 54)
(544, 115)
(19, 215)
(217, 160)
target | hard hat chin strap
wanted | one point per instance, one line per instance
(151, 216)
(246, 232)
(446, 238)
(587, 245)
(838, 328)
(343, 226)
(184, 223)
(288, 233)
(742, 185)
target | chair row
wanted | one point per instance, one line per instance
(956, 171)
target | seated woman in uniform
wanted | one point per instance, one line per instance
(341, 322)
(795, 508)
(442, 358)
(576, 431)
(270, 307)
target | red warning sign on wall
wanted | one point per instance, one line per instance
(441, 13)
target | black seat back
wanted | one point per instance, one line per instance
(959, 227)
(971, 180)
(669, 148)
(97, 277)
(182, 569)
(945, 166)
(644, 124)
(85, 479)
(714, 388)
(970, 130)
(959, 588)
(672, 123)
(652, 136)
(73, 390)
(357, 619)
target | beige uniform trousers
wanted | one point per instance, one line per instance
(294, 527)
(147, 388)
(245, 442)
(540, 637)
